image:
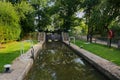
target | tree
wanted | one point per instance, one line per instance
(80, 28)
(89, 6)
(9, 23)
(67, 9)
(26, 15)
(100, 14)
(44, 19)
(42, 13)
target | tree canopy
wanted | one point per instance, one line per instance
(99, 15)
(9, 22)
(14, 19)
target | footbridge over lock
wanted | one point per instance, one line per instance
(53, 36)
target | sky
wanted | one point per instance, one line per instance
(80, 14)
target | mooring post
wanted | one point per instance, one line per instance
(7, 67)
(39, 36)
(32, 52)
(22, 48)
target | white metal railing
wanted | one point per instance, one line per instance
(72, 38)
(22, 47)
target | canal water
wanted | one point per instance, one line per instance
(57, 62)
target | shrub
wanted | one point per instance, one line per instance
(9, 22)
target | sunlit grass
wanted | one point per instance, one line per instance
(10, 51)
(112, 54)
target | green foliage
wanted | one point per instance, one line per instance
(27, 24)
(100, 14)
(23, 8)
(67, 12)
(42, 3)
(26, 14)
(81, 29)
(56, 15)
(9, 33)
(9, 22)
(8, 14)
(115, 26)
(63, 9)
(44, 19)
(15, 19)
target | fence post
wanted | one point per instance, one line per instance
(118, 43)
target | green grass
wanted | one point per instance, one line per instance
(10, 51)
(112, 54)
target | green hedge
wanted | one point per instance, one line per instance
(9, 23)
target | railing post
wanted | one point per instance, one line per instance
(72, 38)
(22, 46)
(118, 43)
(32, 53)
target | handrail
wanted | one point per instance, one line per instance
(22, 46)
(72, 37)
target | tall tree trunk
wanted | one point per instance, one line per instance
(89, 35)
(109, 40)
(90, 38)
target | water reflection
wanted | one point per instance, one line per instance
(58, 62)
(78, 60)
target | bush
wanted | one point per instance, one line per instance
(9, 23)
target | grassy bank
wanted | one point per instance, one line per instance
(111, 54)
(10, 51)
